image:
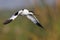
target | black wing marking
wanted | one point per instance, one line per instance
(16, 13)
(34, 20)
(7, 21)
(39, 25)
(11, 18)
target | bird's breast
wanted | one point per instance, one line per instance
(23, 14)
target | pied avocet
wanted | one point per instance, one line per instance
(26, 13)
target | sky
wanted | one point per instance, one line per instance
(14, 3)
(21, 3)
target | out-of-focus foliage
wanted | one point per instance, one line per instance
(24, 29)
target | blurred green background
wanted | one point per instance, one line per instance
(24, 29)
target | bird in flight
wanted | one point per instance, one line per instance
(26, 13)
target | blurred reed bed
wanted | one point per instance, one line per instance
(50, 18)
(23, 29)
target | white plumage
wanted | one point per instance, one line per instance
(26, 13)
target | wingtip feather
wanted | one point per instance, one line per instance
(7, 21)
(40, 25)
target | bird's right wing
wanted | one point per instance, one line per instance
(34, 20)
(14, 16)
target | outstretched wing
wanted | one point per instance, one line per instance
(34, 20)
(14, 16)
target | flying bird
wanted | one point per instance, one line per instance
(26, 13)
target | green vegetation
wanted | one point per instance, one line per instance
(24, 29)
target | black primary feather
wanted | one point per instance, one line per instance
(39, 25)
(7, 21)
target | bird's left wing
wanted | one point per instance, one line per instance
(14, 16)
(34, 20)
